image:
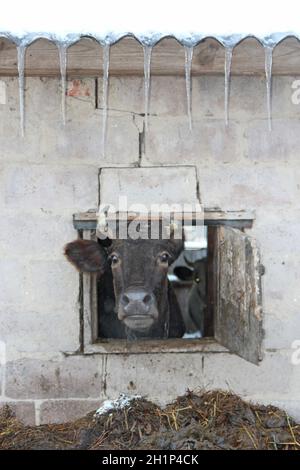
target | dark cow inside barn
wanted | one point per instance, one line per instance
(145, 303)
(195, 271)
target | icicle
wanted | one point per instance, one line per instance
(188, 84)
(147, 73)
(268, 71)
(227, 69)
(62, 49)
(106, 53)
(21, 65)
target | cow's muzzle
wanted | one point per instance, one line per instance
(137, 309)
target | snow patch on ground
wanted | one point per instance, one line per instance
(119, 403)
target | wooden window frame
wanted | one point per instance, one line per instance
(85, 223)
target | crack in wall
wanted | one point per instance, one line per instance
(104, 374)
(96, 93)
(141, 140)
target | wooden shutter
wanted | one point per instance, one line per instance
(238, 300)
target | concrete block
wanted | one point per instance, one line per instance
(43, 327)
(208, 98)
(278, 232)
(148, 186)
(281, 144)
(45, 235)
(82, 141)
(126, 95)
(55, 282)
(43, 101)
(283, 303)
(247, 99)
(285, 97)
(292, 407)
(282, 325)
(246, 379)
(79, 140)
(12, 275)
(61, 411)
(11, 142)
(168, 97)
(23, 410)
(171, 142)
(244, 186)
(72, 377)
(174, 374)
(171, 375)
(51, 188)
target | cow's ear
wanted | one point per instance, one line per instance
(183, 273)
(87, 256)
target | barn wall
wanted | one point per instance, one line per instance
(53, 172)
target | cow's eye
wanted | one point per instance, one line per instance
(164, 257)
(114, 259)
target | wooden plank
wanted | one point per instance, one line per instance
(172, 345)
(238, 219)
(238, 312)
(90, 309)
(85, 58)
(210, 288)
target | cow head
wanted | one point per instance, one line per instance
(139, 269)
(194, 271)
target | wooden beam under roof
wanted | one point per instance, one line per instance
(85, 58)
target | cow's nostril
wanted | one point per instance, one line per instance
(147, 299)
(125, 300)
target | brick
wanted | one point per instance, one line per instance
(61, 411)
(73, 377)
